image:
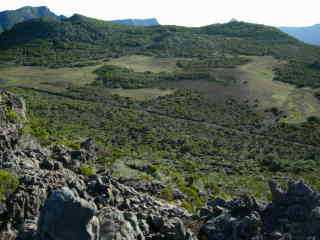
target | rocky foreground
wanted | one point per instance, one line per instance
(53, 202)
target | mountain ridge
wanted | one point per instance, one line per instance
(147, 22)
(308, 34)
(11, 17)
(120, 39)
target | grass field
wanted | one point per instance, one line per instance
(139, 63)
(59, 79)
(253, 81)
(35, 76)
(298, 103)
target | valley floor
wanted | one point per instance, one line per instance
(240, 129)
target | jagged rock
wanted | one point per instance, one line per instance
(62, 154)
(151, 187)
(126, 225)
(25, 203)
(74, 158)
(66, 216)
(177, 194)
(47, 164)
(174, 229)
(8, 233)
(29, 231)
(293, 213)
(89, 150)
(226, 226)
(12, 115)
(119, 225)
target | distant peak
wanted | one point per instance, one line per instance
(138, 22)
(77, 17)
(12, 17)
(29, 7)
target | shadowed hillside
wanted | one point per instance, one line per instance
(80, 39)
(9, 18)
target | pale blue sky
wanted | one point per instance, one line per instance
(187, 12)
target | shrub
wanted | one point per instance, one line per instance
(87, 170)
(167, 193)
(313, 119)
(12, 116)
(8, 184)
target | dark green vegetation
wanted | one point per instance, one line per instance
(301, 74)
(202, 148)
(119, 77)
(8, 184)
(87, 170)
(80, 41)
(9, 18)
(209, 134)
(47, 42)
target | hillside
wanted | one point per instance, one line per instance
(309, 35)
(94, 39)
(56, 193)
(81, 41)
(138, 22)
(181, 113)
(9, 18)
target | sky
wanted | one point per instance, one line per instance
(186, 12)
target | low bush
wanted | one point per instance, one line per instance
(8, 184)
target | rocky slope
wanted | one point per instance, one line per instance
(54, 202)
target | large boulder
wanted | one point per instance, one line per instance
(65, 216)
(294, 211)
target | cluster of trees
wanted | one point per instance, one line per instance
(112, 76)
(301, 74)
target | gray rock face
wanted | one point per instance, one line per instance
(12, 114)
(292, 214)
(119, 225)
(74, 158)
(66, 216)
(236, 219)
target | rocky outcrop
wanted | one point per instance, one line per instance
(72, 159)
(12, 114)
(292, 214)
(67, 216)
